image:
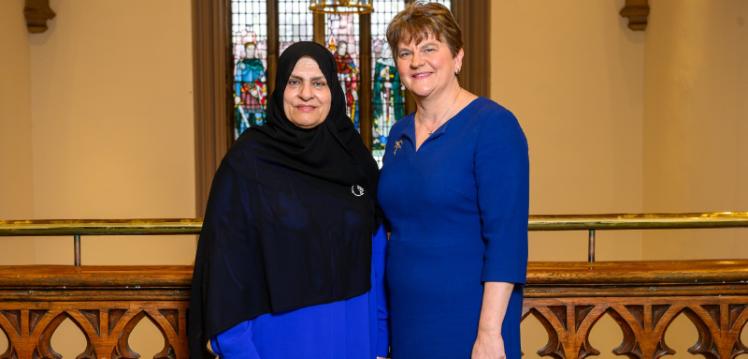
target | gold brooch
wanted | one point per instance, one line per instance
(398, 145)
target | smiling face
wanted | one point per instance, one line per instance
(307, 97)
(427, 67)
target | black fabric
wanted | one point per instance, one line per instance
(290, 216)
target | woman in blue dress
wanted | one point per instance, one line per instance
(454, 189)
(286, 266)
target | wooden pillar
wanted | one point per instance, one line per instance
(364, 87)
(473, 17)
(273, 43)
(318, 27)
(211, 88)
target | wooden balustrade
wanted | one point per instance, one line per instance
(643, 298)
(568, 298)
(104, 302)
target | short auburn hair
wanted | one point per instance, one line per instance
(418, 21)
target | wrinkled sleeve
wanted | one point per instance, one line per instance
(236, 343)
(502, 179)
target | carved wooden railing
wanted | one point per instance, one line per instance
(567, 298)
(643, 298)
(105, 302)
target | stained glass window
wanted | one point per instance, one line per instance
(294, 22)
(342, 37)
(388, 100)
(249, 40)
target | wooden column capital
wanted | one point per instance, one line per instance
(637, 11)
(37, 12)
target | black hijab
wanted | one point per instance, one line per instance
(290, 215)
(334, 150)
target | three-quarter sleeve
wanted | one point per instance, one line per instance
(502, 179)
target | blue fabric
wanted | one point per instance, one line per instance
(458, 210)
(350, 329)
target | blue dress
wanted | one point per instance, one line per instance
(355, 328)
(458, 210)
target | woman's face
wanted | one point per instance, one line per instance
(307, 98)
(427, 67)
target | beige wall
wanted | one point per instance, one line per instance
(16, 195)
(696, 129)
(113, 127)
(574, 79)
(97, 122)
(623, 121)
(696, 132)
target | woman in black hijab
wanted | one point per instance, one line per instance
(291, 255)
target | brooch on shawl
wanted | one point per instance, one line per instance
(357, 190)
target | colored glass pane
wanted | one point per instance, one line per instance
(249, 45)
(388, 100)
(294, 22)
(342, 34)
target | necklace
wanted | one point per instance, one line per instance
(444, 115)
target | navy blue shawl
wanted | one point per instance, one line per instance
(290, 216)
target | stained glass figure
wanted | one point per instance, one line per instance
(388, 103)
(348, 74)
(250, 89)
(249, 39)
(388, 93)
(343, 39)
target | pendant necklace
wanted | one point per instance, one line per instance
(444, 116)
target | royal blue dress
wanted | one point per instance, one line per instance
(355, 328)
(458, 210)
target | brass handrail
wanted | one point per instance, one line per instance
(87, 227)
(638, 221)
(589, 222)
(90, 227)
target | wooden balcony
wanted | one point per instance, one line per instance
(567, 298)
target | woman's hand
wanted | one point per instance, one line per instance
(488, 345)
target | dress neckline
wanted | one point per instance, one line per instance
(410, 130)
